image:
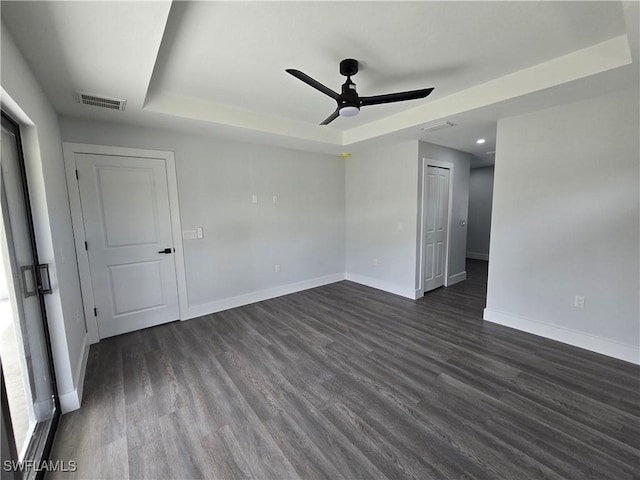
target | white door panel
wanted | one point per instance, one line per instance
(436, 225)
(127, 297)
(126, 215)
(118, 190)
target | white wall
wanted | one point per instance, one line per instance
(381, 217)
(566, 223)
(304, 232)
(459, 211)
(480, 200)
(26, 101)
(383, 209)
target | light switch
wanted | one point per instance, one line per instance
(199, 232)
(275, 199)
(254, 199)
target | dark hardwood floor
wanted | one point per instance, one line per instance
(348, 382)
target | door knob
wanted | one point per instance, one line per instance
(166, 250)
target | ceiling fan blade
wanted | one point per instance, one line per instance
(395, 97)
(313, 83)
(331, 117)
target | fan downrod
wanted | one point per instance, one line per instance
(348, 67)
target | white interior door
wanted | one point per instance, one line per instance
(436, 225)
(127, 224)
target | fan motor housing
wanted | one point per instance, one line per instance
(349, 96)
(348, 67)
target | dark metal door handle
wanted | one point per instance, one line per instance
(26, 284)
(44, 281)
(40, 280)
(166, 251)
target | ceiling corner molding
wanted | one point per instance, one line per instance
(582, 63)
(197, 109)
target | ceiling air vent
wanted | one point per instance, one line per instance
(101, 101)
(434, 127)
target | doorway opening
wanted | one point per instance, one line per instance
(124, 209)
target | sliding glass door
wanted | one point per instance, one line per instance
(30, 409)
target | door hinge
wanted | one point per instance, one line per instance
(77, 177)
(86, 246)
(95, 312)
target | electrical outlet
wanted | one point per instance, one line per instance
(277, 268)
(578, 302)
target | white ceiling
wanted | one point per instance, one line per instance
(218, 67)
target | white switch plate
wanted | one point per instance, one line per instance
(275, 199)
(199, 232)
(277, 268)
(254, 198)
(578, 302)
(189, 234)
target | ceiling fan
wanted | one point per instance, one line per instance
(349, 102)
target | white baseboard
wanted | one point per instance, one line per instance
(457, 278)
(382, 285)
(72, 400)
(601, 345)
(478, 256)
(253, 297)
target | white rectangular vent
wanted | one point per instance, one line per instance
(101, 101)
(437, 126)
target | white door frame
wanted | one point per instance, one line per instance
(428, 162)
(70, 151)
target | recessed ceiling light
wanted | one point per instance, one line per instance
(480, 140)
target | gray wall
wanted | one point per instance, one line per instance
(383, 206)
(480, 201)
(566, 222)
(51, 215)
(381, 213)
(304, 232)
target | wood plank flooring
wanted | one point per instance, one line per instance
(347, 382)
